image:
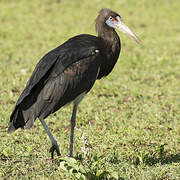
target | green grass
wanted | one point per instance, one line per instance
(132, 117)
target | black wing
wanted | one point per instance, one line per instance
(82, 50)
(73, 50)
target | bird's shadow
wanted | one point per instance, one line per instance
(151, 160)
(165, 159)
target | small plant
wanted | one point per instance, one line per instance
(85, 148)
(86, 166)
(73, 168)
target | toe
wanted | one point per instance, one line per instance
(52, 149)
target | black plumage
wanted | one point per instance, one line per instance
(66, 74)
(70, 69)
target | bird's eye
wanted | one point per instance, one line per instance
(112, 19)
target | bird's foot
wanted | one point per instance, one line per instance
(53, 148)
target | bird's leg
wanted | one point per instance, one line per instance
(53, 141)
(73, 123)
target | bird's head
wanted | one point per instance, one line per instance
(110, 19)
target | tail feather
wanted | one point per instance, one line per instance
(11, 127)
(16, 120)
(20, 119)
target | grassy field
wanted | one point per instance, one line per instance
(131, 118)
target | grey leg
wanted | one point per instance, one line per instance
(53, 141)
(73, 123)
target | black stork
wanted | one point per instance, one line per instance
(67, 73)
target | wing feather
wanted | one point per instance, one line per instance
(59, 59)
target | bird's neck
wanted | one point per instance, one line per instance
(111, 51)
(111, 41)
(107, 35)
